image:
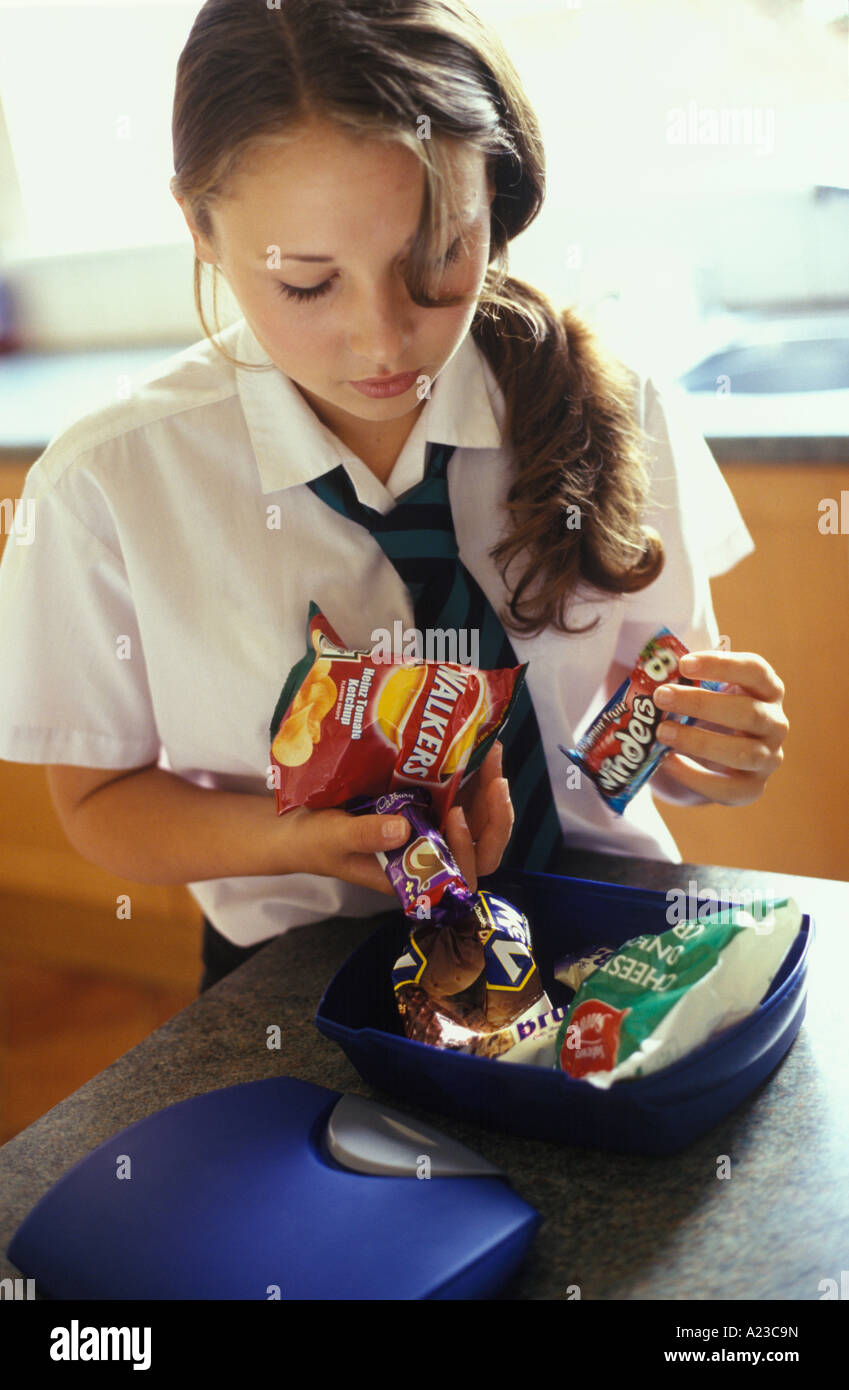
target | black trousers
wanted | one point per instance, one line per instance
(220, 956)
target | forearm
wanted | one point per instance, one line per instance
(154, 827)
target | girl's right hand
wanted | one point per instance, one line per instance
(338, 845)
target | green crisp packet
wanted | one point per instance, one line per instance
(660, 997)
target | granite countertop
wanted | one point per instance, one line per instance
(619, 1226)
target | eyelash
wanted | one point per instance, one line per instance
(300, 295)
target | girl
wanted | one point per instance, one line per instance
(356, 171)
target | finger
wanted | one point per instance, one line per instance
(741, 753)
(493, 840)
(365, 871)
(477, 811)
(490, 768)
(371, 834)
(340, 845)
(473, 797)
(729, 790)
(353, 842)
(748, 669)
(459, 839)
(732, 711)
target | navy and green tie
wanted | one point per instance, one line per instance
(417, 536)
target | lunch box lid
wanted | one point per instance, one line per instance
(656, 1114)
(276, 1189)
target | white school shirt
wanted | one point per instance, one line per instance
(154, 611)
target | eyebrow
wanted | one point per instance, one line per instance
(294, 256)
(299, 256)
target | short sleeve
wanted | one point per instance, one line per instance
(693, 509)
(73, 682)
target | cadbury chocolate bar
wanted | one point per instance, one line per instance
(620, 750)
(423, 871)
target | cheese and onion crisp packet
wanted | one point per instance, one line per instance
(658, 998)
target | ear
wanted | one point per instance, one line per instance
(203, 249)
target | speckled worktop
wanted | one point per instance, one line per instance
(621, 1227)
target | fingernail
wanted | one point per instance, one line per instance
(689, 663)
(499, 757)
(663, 695)
(395, 829)
(668, 732)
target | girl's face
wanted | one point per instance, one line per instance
(338, 213)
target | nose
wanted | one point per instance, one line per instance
(380, 327)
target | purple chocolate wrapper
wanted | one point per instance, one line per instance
(423, 871)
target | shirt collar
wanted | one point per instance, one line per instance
(465, 408)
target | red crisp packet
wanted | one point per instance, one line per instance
(346, 725)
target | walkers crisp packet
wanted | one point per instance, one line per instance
(347, 725)
(659, 997)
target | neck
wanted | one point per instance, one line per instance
(376, 443)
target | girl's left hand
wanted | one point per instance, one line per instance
(479, 824)
(751, 707)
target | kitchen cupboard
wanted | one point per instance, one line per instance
(789, 601)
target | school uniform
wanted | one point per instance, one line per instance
(161, 600)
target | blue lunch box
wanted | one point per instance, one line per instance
(656, 1114)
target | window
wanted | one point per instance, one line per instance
(685, 140)
(86, 91)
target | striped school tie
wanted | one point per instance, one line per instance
(417, 536)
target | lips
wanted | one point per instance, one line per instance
(385, 387)
(385, 380)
